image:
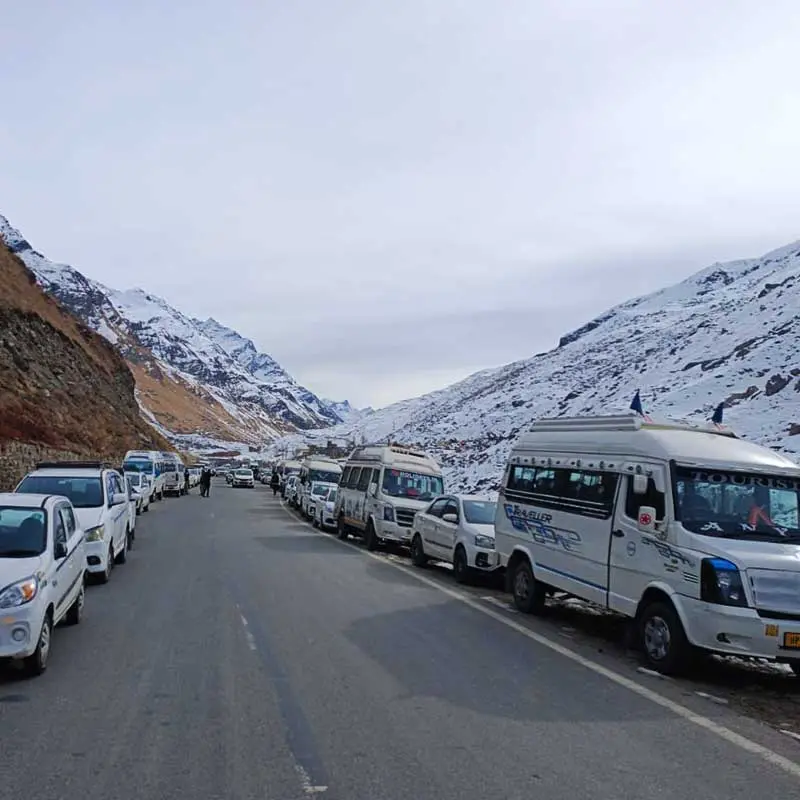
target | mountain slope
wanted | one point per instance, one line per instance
(63, 388)
(729, 333)
(195, 377)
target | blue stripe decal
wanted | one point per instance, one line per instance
(571, 577)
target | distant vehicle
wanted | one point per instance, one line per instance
(315, 474)
(173, 471)
(150, 463)
(139, 484)
(287, 468)
(381, 489)
(42, 566)
(290, 490)
(687, 530)
(322, 507)
(459, 530)
(100, 500)
(244, 477)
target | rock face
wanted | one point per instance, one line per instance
(730, 333)
(239, 393)
(63, 388)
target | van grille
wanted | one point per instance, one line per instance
(405, 516)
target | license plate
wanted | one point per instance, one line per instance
(791, 641)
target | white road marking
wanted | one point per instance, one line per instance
(251, 641)
(495, 601)
(732, 737)
(305, 782)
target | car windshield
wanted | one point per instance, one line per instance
(413, 485)
(331, 496)
(82, 492)
(23, 532)
(324, 476)
(134, 479)
(244, 473)
(479, 512)
(138, 465)
(320, 490)
(738, 505)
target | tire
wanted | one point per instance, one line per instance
(663, 640)
(36, 663)
(341, 528)
(461, 570)
(315, 522)
(122, 558)
(75, 613)
(795, 667)
(529, 595)
(370, 537)
(418, 557)
(104, 577)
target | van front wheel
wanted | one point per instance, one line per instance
(663, 640)
(529, 594)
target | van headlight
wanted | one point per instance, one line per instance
(486, 542)
(721, 583)
(95, 534)
(388, 514)
(19, 593)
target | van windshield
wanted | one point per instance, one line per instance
(323, 476)
(738, 505)
(413, 485)
(138, 465)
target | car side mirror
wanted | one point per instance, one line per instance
(60, 550)
(451, 518)
(646, 521)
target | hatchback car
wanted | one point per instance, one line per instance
(42, 567)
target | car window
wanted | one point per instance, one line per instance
(354, 476)
(451, 508)
(363, 481)
(437, 509)
(59, 529)
(69, 520)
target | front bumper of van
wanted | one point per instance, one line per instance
(392, 532)
(735, 631)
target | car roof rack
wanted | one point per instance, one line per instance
(623, 423)
(74, 465)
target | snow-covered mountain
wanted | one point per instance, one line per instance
(729, 333)
(179, 361)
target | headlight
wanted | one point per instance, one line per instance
(388, 513)
(95, 534)
(721, 583)
(19, 593)
(486, 542)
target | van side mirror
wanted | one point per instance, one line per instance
(640, 484)
(646, 521)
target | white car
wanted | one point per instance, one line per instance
(244, 477)
(290, 490)
(319, 489)
(321, 508)
(140, 488)
(42, 566)
(459, 530)
(100, 499)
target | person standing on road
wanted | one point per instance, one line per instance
(275, 482)
(186, 480)
(205, 482)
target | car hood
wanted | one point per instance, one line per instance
(755, 554)
(17, 569)
(478, 530)
(89, 517)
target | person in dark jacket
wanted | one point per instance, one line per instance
(275, 482)
(205, 482)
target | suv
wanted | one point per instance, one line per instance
(99, 496)
(42, 564)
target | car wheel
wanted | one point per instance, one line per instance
(123, 555)
(529, 595)
(75, 613)
(663, 639)
(371, 537)
(105, 575)
(36, 663)
(418, 557)
(341, 528)
(461, 569)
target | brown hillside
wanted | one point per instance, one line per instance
(62, 386)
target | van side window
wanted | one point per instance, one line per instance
(590, 494)
(653, 498)
(355, 474)
(363, 481)
(345, 476)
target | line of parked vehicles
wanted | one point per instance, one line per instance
(64, 523)
(689, 531)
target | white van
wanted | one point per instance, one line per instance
(689, 531)
(381, 489)
(148, 462)
(317, 475)
(173, 471)
(285, 469)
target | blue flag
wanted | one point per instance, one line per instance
(636, 405)
(717, 418)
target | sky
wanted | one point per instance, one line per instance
(389, 196)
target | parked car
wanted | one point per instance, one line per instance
(42, 566)
(140, 488)
(100, 499)
(321, 508)
(244, 477)
(459, 530)
(290, 490)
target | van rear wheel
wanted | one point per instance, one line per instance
(341, 528)
(371, 539)
(529, 595)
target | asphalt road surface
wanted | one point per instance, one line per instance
(241, 654)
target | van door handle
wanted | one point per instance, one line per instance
(618, 533)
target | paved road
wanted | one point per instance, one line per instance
(239, 654)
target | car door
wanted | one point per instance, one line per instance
(429, 523)
(118, 514)
(446, 532)
(69, 570)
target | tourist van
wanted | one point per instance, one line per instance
(381, 489)
(150, 463)
(317, 475)
(689, 531)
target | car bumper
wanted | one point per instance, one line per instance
(483, 559)
(246, 484)
(19, 630)
(97, 556)
(392, 532)
(737, 631)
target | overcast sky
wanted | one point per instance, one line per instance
(387, 195)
